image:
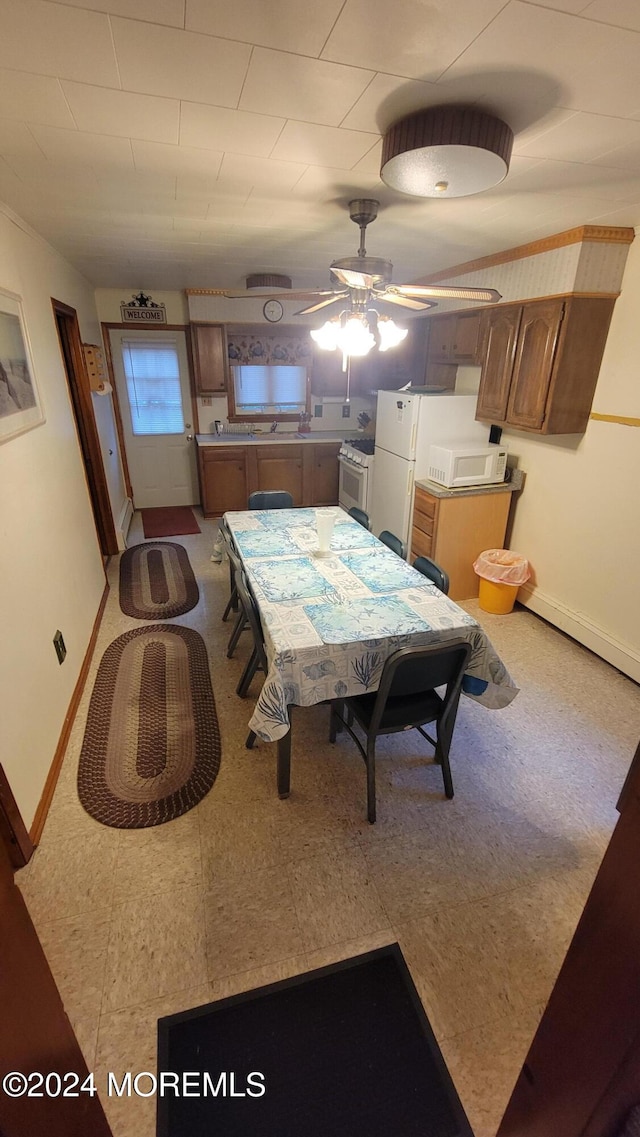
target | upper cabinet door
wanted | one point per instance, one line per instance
(210, 361)
(464, 348)
(442, 333)
(537, 340)
(499, 336)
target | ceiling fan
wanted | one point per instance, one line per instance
(363, 279)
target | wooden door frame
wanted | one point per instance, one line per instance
(84, 418)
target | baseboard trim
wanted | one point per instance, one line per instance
(620, 655)
(37, 825)
(124, 521)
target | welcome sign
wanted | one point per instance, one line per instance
(141, 309)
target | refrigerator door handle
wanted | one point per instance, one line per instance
(414, 430)
(409, 482)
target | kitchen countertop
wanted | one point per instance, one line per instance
(516, 483)
(268, 437)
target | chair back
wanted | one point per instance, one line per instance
(392, 542)
(360, 516)
(251, 612)
(433, 571)
(412, 670)
(226, 535)
(270, 499)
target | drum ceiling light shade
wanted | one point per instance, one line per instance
(446, 151)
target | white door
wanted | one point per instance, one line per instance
(392, 505)
(152, 380)
(397, 422)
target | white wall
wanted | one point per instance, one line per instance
(51, 569)
(577, 519)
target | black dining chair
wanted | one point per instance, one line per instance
(407, 697)
(433, 571)
(258, 659)
(229, 548)
(360, 516)
(392, 542)
(270, 499)
(235, 565)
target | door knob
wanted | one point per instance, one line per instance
(189, 438)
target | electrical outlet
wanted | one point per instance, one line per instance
(59, 645)
(317, 410)
(346, 411)
(207, 401)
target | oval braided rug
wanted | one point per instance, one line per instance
(151, 748)
(157, 581)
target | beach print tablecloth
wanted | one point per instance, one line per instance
(330, 621)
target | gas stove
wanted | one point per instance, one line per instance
(358, 450)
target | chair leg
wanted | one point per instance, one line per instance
(371, 779)
(247, 675)
(442, 757)
(239, 627)
(232, 603)
(335, 723)
(251, 737)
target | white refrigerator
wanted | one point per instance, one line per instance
(406, 426)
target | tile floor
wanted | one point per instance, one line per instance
(482, 892)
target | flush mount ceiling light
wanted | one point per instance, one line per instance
(446, 151)
(268, 280)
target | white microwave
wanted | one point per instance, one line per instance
(460, 465)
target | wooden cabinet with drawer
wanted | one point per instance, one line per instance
(453, 530)
(224, 478)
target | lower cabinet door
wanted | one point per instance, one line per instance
(224, 481)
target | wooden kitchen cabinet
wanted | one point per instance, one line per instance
(540, 363)
(224, 478)
(454, 530)
(453, 337)
(325, 472)
(228, 474)
(276, 467)
(210, 360)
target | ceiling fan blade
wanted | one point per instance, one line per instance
(388, 297)
(446, 291)
(322, 304)
(353, 279)
(254, 294)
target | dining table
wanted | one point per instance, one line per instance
(331, 617)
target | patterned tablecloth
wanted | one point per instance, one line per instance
(330, 621)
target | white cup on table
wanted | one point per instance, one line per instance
(324, 526)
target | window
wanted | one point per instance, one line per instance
(153, 386)
(275, 389)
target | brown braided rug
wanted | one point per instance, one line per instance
(157, 581)
(151, 748)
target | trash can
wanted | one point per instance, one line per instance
(501, 572)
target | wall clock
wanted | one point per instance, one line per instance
(273, 311)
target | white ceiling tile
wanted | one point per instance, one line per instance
(578, 180)
(33, 98)
(574, 7)
(156, 11)
(16, 139)
(325, 182)
(388, 98)
(157, 156)
(621, 157)
(220, 128)
(290, 25)
(81, 148)
(56, 40)
(178, 64)
(622, 13)
(416, 39)
(322, 145)
(370, 163)
(582, 138)
(122, 113)
(296, 87)
(237, 168)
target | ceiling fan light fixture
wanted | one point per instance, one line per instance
(326, 337)
(355, 336)
(390, 334)
(446, 151)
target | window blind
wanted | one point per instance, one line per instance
(153, 386)
(270, 389)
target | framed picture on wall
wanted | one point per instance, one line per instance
(20, 406)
